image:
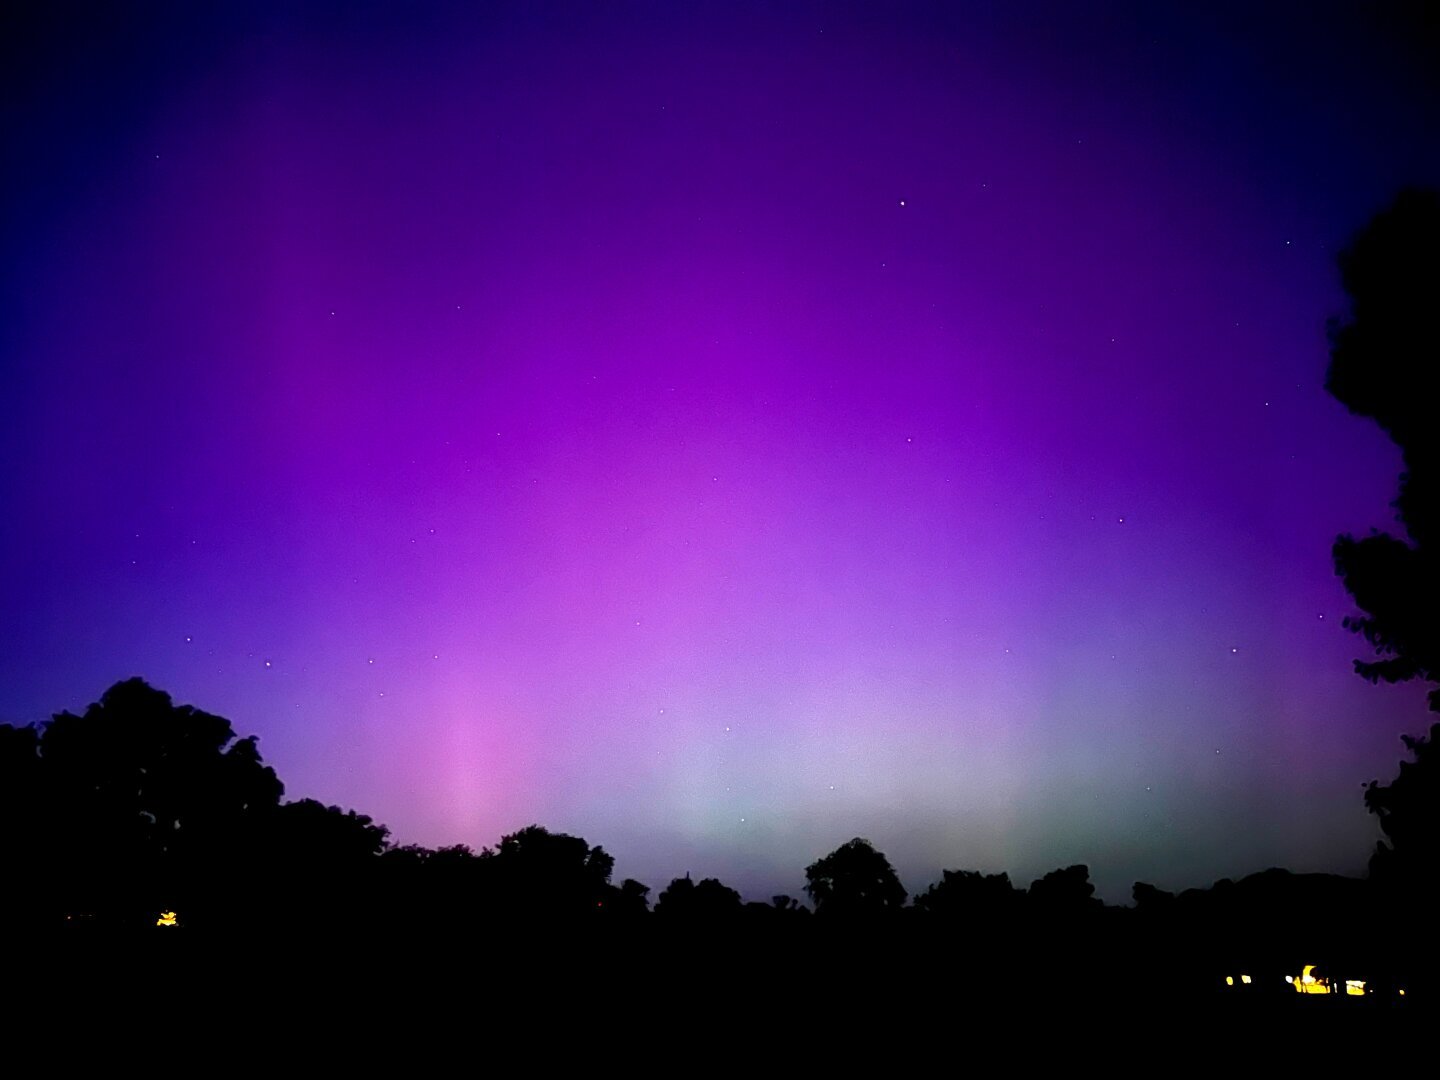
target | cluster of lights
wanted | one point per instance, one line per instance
(1308, 983)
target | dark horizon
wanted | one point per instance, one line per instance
(133, 705)
(150, 838)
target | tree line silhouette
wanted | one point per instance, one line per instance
(139, 806)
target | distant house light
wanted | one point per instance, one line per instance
(167, 918)
(1309, 984)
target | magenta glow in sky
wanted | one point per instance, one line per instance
(717, 434)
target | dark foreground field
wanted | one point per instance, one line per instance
(514, 1000)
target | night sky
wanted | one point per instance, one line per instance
(716, 432)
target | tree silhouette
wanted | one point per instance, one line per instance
(539, 873)
(140, 806)
(854, 879)
(24, 836)
(318, 864)
(135, 805)
(969, 894)
(1064, 892)
(705, 899)
(1381, 362)
(1409, 812)
(1150, 900)
(327, 836)
(631, 899)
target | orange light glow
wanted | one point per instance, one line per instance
(167, 918)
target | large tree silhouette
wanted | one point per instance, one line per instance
(135, 805)
(854, 879)
(540, 873)
(1382, 361)
(140, 805)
